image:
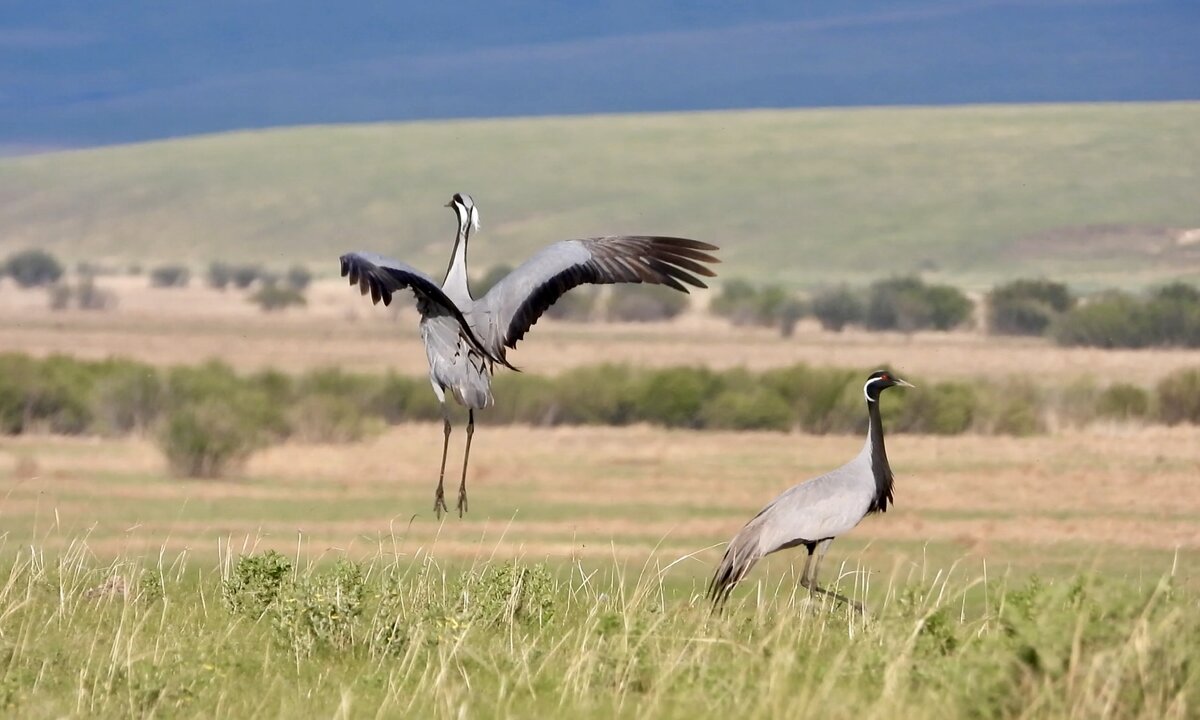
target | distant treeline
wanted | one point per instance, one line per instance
(207, 417)
(1166, 316)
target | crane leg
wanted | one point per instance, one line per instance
(811, 582)
(439, 496)
(462, 487)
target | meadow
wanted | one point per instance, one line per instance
(1098, 195)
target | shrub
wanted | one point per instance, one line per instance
(298, 277)
(50, 395)
(744, 304)
(255, 583)
(33, 268)
(507, 593)
(320, 610)
(1123, 401)
(673, 396)
(645, 303)
(170, 276)
(1179, 397)
(128, 397)
(220, 275)
(1114, 319)
(206, 439)
(1011, 408)
(598, 395)
(243, 276)
(753, 408)
(578, 305)
(908, 304)
(835, 308)
(90, 297)
(1026, 307)
(942, 409)
(271, 297)
(494, 275)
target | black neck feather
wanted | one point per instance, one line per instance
(879, 462)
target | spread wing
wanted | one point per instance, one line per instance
(513, 305)
(382, 277)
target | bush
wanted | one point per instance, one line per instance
(271, 297)
(1122, 401)
(170, 276)
(255, 584)
(908, 304)
(835, 308)
(754, 408)
(744, 304)
(673, 397)
(298, 278)
(507, 593)
(578, 305)
(494, 275)
(128, 397)
(85, 295)
(942, 409)
(206, 439)
(645, 303)
(1114, 319)
(243, 276)
(1179, 397)
(220, 275)
(33, 268)
(1026, 307)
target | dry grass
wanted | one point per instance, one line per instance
(628, 492)
(168, 327)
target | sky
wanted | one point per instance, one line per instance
(75, 74)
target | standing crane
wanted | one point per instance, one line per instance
(818, 510)
(465, 337)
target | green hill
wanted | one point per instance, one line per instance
(1093, 193)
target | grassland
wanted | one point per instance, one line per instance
(1042, 577)
(1096, 194)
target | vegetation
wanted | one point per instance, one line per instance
(770, 305)
(393, 636)
(1166, 316)
(170, 276)
(837, 307)
(909, 304)
(1026, 307)
(298, 278)
(32, 268)
(645, 303)
(272, 297)
(876, 191)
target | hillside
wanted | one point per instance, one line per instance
(1095, 193)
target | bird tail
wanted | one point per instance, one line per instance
(740, 557)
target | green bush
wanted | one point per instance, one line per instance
(673, 397)
(743, 303)
(645, 303)
(1026, 307)
(256, 583)
(1123, 401)
(837, 307)
(1168, 316)
(170, 276)
(754, 408)
(220, 275)
(1011, 407)
(942, 409)
(507, 593)
(271, 297)
(598, 395)
(206, 439)
(128, 397)
(320, 611)
(1179, 397)
(243, 276)
(33, 268)
(298, 278)
(908, 304)
(403, 399)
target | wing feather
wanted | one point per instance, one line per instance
(514, 304)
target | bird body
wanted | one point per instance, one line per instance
(466, 337)
(814, 512)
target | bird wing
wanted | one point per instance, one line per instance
(382, 277)
(514, 304)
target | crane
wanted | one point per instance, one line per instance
(814, 512)
(466, 337)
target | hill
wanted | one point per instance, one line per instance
(1093, 193)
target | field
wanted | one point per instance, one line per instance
(1097, 195)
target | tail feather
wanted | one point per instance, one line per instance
(740, 557)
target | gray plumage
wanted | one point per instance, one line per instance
(816, 511)
(465, 337)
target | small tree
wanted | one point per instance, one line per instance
(271, 297)
(1026, 307)
(645, 303)
(835, 308)
(170, 276)
(220, 275)
(245, 275)
(298, 278)
(33, 268)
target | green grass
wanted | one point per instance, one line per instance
(409, 637)
(801, 196)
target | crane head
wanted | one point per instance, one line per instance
(881, 380)
(468, 214)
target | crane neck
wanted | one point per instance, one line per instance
(880, 469)
(455, 284)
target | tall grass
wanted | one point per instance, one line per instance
(404, 635)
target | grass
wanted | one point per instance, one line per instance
(406, 635)
(1094, 194)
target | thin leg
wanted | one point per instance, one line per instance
(805, 582)
(818, 590)
(462, 487)
(439, 496)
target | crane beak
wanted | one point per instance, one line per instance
(904, 383)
